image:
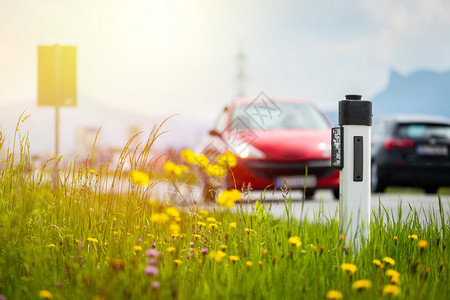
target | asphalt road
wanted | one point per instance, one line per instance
(323, 205)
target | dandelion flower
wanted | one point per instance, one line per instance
(232, 225)
(218, 255)
(177, 261)
(389, 260)
(172, 211)
(45, 294)
(392, 290)
(51, 246)
(211, 220)
(171, 249)
(174, 228)
(201, 224)
(203, 212)
(215, 170)
(378, 263)
(159, 218)
(233, 258)
(413, 237)
(139, 178)
(228, 159)
(197, 236)
(392, 273)
(228, 197)
(362, 284)
(423, 244)
(351, 268)
(332, 294)
(248, 264)
(137, 248)
(91, 239)
(295, 240)
(188, 156)
(213, 226)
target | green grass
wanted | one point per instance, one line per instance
(44, 232)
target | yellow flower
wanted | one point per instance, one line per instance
(223, 247)
(215, 170)
(51, 246)
(188, 156)
(227, 160)
(332, 294)
(423, 244)
(218, 256)
(392, 273)
(171, 249)
(362, 284)
(232, 225)
(378, 263)
(159, 218)
(228, 198)
(233, 258)
(248, 230)
(389, 260)
(248, 264)
(174, 169)
(91, 239)
(295, 240)
(213, 226)
(203, 212)
(177, 261)
(211, 220)
(174, 228)
(395, 238)
(391, 290)
(201, 224)
(395, 280)
(172, 211)
(351, 268)
(197, 236)
(137, 248)
(139, 177)
(413, 237)
(45, 294)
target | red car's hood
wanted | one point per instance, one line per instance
(294, 144)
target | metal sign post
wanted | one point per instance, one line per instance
(57, 80)
(351, 155)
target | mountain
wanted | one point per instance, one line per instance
(79, 126)
(421, 92)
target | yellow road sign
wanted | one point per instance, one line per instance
(57, 75)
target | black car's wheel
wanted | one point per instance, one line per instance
(431, 189)
(378, 184)
(336, 194)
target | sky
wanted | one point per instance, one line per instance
(180, 57)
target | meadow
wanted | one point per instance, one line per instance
(93, 235)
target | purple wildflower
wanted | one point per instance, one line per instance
(155, 285)
(151, 271)
(153, 253)
(204, 251)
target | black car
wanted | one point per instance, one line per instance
(411, 151)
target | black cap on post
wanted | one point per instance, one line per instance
(354, 111)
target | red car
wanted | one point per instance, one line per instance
(274, 141)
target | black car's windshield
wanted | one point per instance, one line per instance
(416, 131)
(287, 115)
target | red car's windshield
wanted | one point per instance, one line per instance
(289, 115)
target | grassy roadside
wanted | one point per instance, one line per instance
(80, 241)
